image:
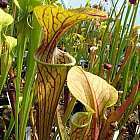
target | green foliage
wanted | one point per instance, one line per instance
(108, 46)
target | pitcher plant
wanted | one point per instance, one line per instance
(52, 63)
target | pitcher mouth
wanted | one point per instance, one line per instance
(72, 61)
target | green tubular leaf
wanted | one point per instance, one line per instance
(31, 70)
(20, 53)
(21, 45)
(92, 91)
(6, 59)
(115, 40)
(5, 19)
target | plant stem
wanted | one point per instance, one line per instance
(27, 95)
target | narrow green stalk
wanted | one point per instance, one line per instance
(135, 69)
(21, 45)
(115, 41)
(101, 56)
(125, 21)
(31, 64)
(126, 81)
(120, 46)
(124, 42)
(20, 53)
(29, 105)
(116, 36)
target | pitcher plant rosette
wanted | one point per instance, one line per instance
(52, 63)
(50, 98)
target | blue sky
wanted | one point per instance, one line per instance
(78, 3)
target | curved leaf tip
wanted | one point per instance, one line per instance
(91, 90)
(56, 21)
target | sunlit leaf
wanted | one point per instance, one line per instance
(91, 90)
(5, 19)
(96, 94)
(56, 21)
(91, 13)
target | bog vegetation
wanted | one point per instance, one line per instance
(69, 74)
